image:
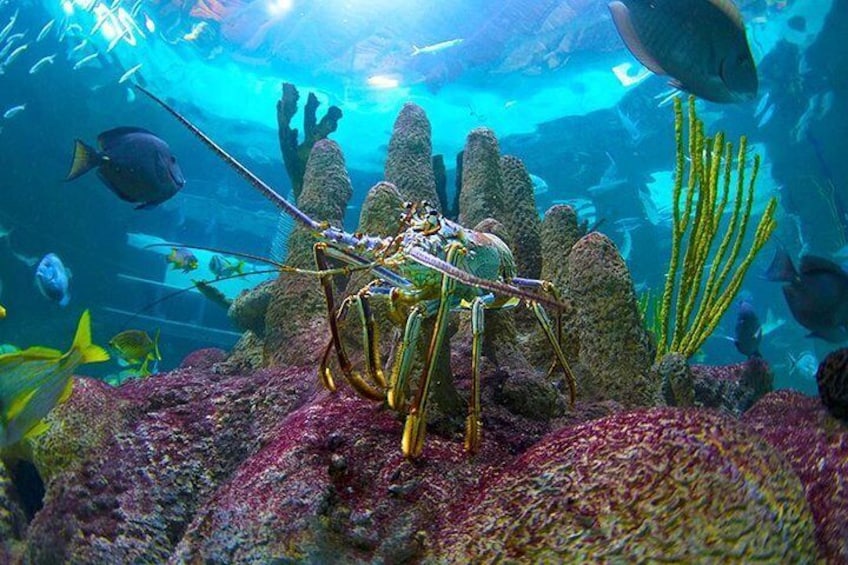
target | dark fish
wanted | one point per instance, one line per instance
(134, 163)
(700, 44)
(53, 279)
(817, 294)
(749, 331)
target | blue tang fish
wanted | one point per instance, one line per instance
(135, 164)
(749, 331)
(53, 279)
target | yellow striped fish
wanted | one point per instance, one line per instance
(34, 380)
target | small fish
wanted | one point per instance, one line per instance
(540, 186)
(804, 364)
(132, 162)
(183, 259)
(45, 30)
(130, 72)
(42, 63)
(15, 54)
(223, 267)
(2, 312)
(748, 331)
(85, 60)
(196, 31)
(8, 27)
(14, 111)
(766, 117)
(79, 46)
(700, 44)
(135, 347)
(135, 8)
(213, 294)
(53, 279)
(36, 379)
(9, 44)
(436, 47)
(117, 39)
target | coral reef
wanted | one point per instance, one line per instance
(12, 519)
(521, 220)
(816, 446)
(326, 191)
(678, 384)
(614, 347)
(295, 156)
(482, 192)
(249, 308)
(832, 379)
(686, 485)
(408, 164)
(732, 388)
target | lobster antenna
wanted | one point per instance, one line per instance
(243, 171)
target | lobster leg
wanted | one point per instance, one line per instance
(353, 377)
(414, 429)
(403, 358)
(370, 338)
(547, 327)
(473, 423)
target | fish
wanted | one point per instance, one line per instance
(41, 63)
(223, 267)
(2, 312)
(80, 45)
(135, 347)
(183, 259)
(436, 47)
(816, 293)
(540, 186)
(748, 331)
(14, 111)
(45, 30)
(15, 54)
(53, 279)
(700, 44)
(804, 364)
(130, 72)
(34, 380)
(9, 44)
(134, 163)
(85, 60)
(8, 27)
(117, 39)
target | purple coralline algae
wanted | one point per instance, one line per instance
(832, 378)
(687, 485)
(614, 346)
(409, 164)
(816, 446)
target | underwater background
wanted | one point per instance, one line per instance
(552, 79)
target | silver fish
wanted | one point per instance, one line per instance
(436, 47)
(41, 63)
(15, 54)
(79, 46)
(85, 60)
(117, 39)
(9, 26)
(45, 30)
(14, 111)
(130, 72)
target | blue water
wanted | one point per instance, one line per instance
(541, 74)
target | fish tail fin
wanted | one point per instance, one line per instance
(240, 268)
(781, 269)
(85, 158)
(415, 50)
(82, 342)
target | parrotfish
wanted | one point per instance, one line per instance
(700, 44)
